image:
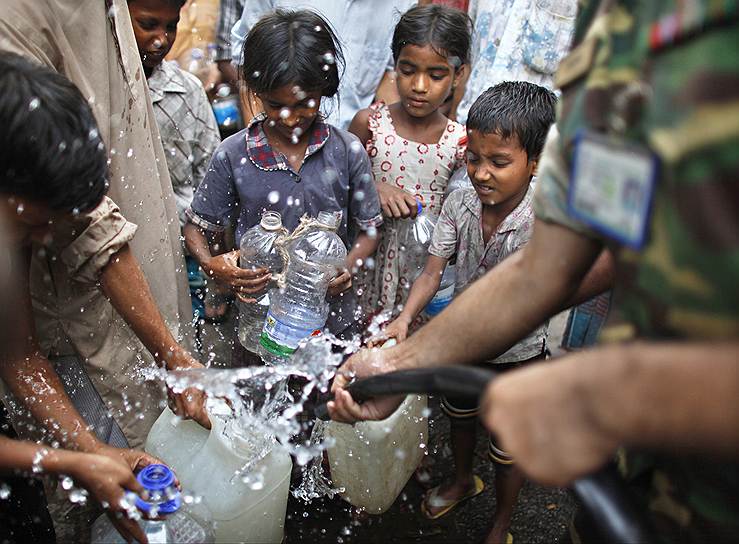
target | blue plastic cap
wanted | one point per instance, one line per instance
(419, 207)
(159, 482)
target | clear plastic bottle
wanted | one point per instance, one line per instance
(175, 523)
(226, 110)
(300, 309)
(444, 295)
(258, 251)
(414, 238)
(459, 180)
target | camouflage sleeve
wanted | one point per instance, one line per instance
(552, 184)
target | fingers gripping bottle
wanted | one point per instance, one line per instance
(161, 499)
(258, 250)
(414, 239)
(299, 310)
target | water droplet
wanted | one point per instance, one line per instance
(34, 104)
(311, 103)
(328, 58)
(4, 491)
(19, 209)
(284, 113)
(273, 197)
(67, 483)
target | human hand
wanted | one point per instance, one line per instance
(190, 403)
(362, 364)
(397, 329)
(544, 417)
(225, 269)
(396, 202)
(340, 283)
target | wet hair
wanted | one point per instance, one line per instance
(515, 108)
(447, 30)
(292, 47)
(51, 148)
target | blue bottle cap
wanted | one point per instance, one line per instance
(419, 206)
(159, 482)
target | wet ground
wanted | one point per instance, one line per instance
(541, 516)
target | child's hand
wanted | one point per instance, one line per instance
(396, 203)
(340, 283)
(398, 329)
(225, 270)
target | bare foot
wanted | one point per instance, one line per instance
(448, 492)
(498, 534)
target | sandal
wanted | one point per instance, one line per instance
(447, 505)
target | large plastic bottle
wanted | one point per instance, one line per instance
(371, 461)
(209, 464)
(178, 524)
(300, 310)
(258, 251)
(444, 294)
(414, 238)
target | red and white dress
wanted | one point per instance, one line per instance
(424, 171)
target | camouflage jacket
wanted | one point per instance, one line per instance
(664, 75)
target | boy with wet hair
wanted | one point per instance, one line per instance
(483, 225)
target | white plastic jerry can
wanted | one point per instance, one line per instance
(209, 464)
(372, 461)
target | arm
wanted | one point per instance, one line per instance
(423, 290)
(363, 248)
(123, 282)
(387, 90)
(564, 419)
(599, 279)
(512, 299)
(360, 126)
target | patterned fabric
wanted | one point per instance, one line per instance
(676, 96)
(266, 158)
(187, 127)
(459, 232)
(228, 16)
(365, 31)
(585, 321)
(516, 40)
(420, 169)
(335, 176)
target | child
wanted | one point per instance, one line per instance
(482, 226)
(187, 126)
(413, 148)
(287, 160)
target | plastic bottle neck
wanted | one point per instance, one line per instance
(329, 220)
(160, 492)
(271, 221)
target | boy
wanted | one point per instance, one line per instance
(187, 125)
(483, 225)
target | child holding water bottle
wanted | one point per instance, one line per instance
(414, 149)
(287, 160)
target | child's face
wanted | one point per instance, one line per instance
(155, 27)
(424, 79)
(290, 110)
(499, 168)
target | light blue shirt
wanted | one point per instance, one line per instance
(365, 31)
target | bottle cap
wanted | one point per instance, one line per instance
(163, 495)
(419, 206)
(271, 220)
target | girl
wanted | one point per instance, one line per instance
(413, 148)
(287, 160)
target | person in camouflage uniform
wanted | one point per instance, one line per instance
(650, 101)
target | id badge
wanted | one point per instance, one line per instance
(611, 187)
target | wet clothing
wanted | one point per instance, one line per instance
(459, 232)
(248, 176)
(660, 79)
(187, 127)
(420, 169)
(365, 31)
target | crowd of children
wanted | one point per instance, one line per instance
(394, 162)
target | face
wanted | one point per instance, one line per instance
(27, 220)
(499, 168)
(155, 27)
(425, 79)
(290, 111)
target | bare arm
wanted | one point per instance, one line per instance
(363, 248)
(563, 419)
(599, 279)
(387, 90)
(360, 126)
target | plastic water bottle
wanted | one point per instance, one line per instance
(444, 295)
(226, 109)
(300, 309)
(258, 251)
(459, 180)
(175, 523)
(414, 238)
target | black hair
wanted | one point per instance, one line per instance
(515, 108)
(178, 3)
(51, 148)
(292, 47)
(447, 30)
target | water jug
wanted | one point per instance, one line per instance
(175, 523)
(258, 250)
(414, 239)
(445, 293)
(373, 460)
(300, 310)
(208, 464)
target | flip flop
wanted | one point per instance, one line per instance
(448, 504)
